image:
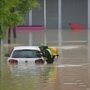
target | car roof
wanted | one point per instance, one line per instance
(26, 47)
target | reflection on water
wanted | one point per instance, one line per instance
(44, 77)
(24, 76)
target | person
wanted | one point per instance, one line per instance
(47, 54)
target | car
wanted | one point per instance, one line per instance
(27, 54)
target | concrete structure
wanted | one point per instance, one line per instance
(57, 14)
(54, 14)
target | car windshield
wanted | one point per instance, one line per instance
(25, 54)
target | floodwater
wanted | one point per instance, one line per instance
(71, 71)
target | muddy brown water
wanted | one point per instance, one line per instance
(71, 71)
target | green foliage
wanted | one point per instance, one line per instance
(12, 11)
(26, 5)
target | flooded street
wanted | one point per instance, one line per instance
(71, 71)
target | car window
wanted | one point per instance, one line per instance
(25, 54)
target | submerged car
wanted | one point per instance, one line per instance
(27, 54)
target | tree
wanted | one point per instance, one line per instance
(12, 11)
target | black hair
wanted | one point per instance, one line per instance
(43, 47)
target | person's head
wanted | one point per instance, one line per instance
(42, 47)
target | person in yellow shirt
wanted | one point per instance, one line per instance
(49, 54)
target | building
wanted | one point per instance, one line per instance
(54, 14)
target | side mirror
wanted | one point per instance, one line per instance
(7, 55)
